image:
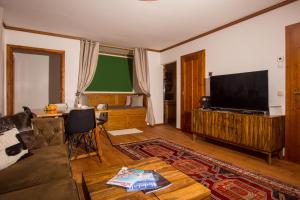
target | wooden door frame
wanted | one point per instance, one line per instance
(10, 49)
(202, 56)
(164, 66)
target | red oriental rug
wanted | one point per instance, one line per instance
(225, 180)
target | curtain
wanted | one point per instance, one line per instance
(89, 51)
(142, 73)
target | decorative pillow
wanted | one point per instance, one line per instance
(128, 101)
(137, 101)
(10, 148)
(47, 132)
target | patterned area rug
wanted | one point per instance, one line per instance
(226, 181)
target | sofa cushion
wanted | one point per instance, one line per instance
(47, 132)
(46, 164)
(61, 189)
(137, 101)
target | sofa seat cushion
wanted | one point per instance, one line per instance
(46, 164)
(61, 189)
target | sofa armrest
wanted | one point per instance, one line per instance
(48, 131)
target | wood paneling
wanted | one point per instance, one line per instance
(192, 85)
(126, 118)
(10, 71)
(112, 99)
(119, 118)
(292, 134)
(256, 132)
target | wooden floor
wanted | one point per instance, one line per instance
(280, 169)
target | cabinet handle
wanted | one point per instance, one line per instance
(296, 93)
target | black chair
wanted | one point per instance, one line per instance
(102, 119)
(80, 130)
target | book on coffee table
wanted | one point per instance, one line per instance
(161, 183)
(147, 181)
(126, 177)
(139, 180)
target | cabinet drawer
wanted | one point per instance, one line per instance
(136, 121)
(116, 122)
(138, 111)
(116, 112)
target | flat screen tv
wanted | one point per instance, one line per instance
(243, 91)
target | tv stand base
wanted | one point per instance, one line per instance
(261, 133)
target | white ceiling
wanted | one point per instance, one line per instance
(129, 23)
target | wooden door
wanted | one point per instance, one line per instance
(192, 86)
(292, 130)
(10, 77)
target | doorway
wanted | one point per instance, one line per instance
(35, 77)
(292, 125)
(170, 87)
(192, 86)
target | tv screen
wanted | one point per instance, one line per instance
(245, 91)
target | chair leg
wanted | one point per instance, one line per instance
(90, 140)
(106, 134)
(86, 144)
(70, 145)
(96, 146)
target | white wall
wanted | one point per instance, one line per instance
(71, 48)
(31, 73)
(251, 45)
(156, 85)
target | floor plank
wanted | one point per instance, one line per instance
(280, 169)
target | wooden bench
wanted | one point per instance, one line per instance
(120, 118)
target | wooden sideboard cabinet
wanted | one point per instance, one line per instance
(261, 133)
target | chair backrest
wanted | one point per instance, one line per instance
(104, 115)
(80, 121)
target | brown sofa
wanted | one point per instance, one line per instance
(45, 174)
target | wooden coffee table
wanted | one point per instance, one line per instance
(183, 187)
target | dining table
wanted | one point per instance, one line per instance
(58, 113)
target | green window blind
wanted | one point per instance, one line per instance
(113, 74)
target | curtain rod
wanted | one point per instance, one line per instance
(110, 46)
(116, 47)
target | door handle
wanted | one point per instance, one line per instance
(296, 92)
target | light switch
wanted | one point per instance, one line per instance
(279, 93)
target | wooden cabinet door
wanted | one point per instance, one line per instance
(192, 86)
(292, 133)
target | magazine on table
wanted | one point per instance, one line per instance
(126, 177)
(139, 180)
(147, 181)
(161, 182)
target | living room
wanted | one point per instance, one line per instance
(217, 137)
